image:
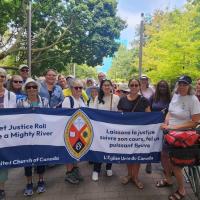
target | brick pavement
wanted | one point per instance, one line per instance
(107, 188)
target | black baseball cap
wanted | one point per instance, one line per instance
(185, 79)
(144, 77)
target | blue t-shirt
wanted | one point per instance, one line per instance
(20, 95)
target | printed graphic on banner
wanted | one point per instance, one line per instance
(78, 135)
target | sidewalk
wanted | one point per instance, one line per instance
(107, 188)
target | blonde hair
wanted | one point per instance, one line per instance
(74, 81)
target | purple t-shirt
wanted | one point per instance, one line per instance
(160, 105)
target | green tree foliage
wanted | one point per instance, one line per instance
(84, 71)
(81, 71)
(10, 13)
(63, 32)
(172, 45)
(122, 66)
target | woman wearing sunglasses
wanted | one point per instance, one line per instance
(7, 100)
(73, 175)
(105, 100)
(133, 102)
(33, 100)
(184, 113)
(16, 83)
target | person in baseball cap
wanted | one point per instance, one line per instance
(185, 79)
(144, 77)
(24, 72)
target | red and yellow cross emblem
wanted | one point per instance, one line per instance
(78, 135)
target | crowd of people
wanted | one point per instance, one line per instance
(180, 107)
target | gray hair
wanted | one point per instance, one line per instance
(3, 71)
(75, 81)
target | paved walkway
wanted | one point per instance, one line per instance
(107, 188)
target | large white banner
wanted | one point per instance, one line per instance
(44, 136)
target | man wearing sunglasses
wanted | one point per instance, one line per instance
(24, 72)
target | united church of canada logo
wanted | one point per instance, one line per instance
(78, 135)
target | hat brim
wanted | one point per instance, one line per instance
(24, 68)
(29, 80)
(182, 81)
(144, 78)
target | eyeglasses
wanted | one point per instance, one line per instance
(24, 70)
(78, 88)
(134, 85)
(15, 81)
(32, 86)
(2, 76)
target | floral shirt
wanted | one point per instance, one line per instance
(25, 103)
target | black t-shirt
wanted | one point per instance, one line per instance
(126, 105)
(50, 93)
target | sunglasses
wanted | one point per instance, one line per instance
(2, 76)
(78, 88)
(134, 85)
(32, 86)
(15, 81)
(24, 70)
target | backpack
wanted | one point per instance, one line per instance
(183, 150)
(184, 156)
(182, 138)
(88, 102)
(72, 101)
